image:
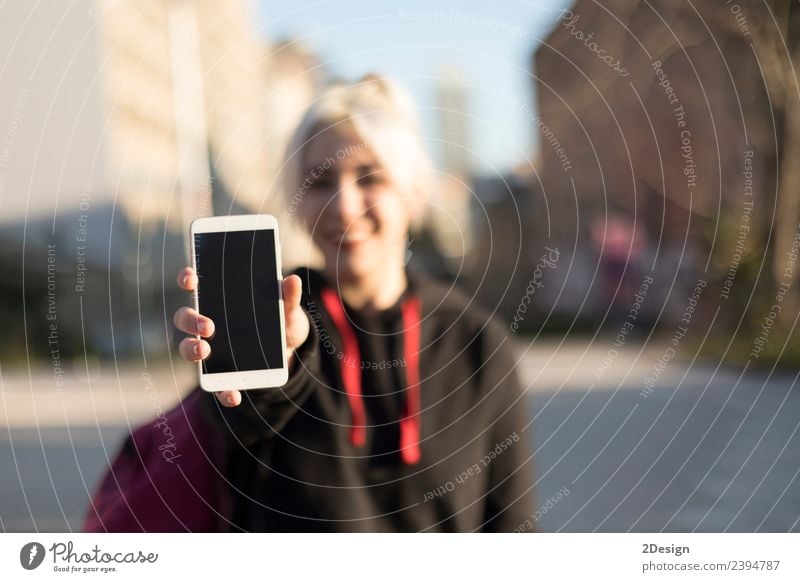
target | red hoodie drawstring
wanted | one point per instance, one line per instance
(410, 423)
(351, 374)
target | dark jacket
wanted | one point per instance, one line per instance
(408, 420)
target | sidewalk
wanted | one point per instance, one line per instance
(704, 450)
(134, 394)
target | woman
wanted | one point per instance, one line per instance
(402, 411)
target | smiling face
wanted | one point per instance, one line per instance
(356, 214)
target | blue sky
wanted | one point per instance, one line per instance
(415, 42)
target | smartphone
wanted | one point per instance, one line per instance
(237, 259)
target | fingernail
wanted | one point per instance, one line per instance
(230, 400)
(196, 349)
(186, 280)
(202, 327)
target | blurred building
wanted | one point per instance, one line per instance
(450, 212)
(125, 120)
(295, 78)
(499, 265)
(192, 81)
(654, 111)
(454, 118)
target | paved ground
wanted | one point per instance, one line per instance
(699, 456)
(706, 450)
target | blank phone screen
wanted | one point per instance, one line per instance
(239, 290)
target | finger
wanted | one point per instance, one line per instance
(187, 279)
(296, 321)
(189, 321)
(193, 349)
(229, 398)
(292, 292)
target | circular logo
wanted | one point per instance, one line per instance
(31, 555)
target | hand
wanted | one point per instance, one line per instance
(189, 321)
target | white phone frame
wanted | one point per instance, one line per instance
(246, 379)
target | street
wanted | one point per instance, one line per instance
(706, 450)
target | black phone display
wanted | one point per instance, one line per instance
(239, 289)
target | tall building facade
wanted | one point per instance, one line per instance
(122, 121)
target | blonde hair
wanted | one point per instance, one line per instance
(384, 116)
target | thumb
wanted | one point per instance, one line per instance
(297, 324)
(292, 292)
